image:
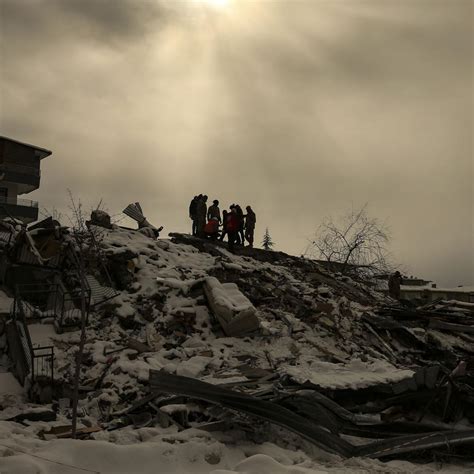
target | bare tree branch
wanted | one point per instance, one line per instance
(355, 239)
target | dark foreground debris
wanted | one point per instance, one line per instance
(322, 427)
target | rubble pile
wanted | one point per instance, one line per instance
(197, 336)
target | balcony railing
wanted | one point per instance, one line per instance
(39, 359)
(14, 168)
(18, 202)
(41, 301)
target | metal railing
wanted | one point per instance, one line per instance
(52, 301)
(40, 359)
(5, 237)
(95, 264)
(43, 362)
(18, 202)
(26, 257)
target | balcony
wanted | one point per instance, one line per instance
(22, 209)
(27, 177)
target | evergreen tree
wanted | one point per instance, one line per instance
(267, 242)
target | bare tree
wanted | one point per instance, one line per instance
(355, 238)
(54, 213)
(86, 244)
(77, 221)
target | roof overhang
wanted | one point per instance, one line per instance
(39, 152)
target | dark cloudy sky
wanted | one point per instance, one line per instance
(301, 108)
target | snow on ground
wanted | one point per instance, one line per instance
(41, 334)
(189, 452)
(9, 384)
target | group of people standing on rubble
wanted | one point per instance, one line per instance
(237, 226)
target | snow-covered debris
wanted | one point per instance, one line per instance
(354, 374)
(312, 330)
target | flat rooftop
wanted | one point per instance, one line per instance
(42, 152)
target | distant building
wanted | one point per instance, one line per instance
(414, 281)
(431, 293)
(425, 291)
(19, 174)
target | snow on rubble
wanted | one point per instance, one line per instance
(165, 268)
(355, 374)
(307, 330)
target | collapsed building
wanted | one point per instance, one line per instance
(40, 267)
(183, 333)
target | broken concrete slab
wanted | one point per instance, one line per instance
(137, 345)
(234, 311)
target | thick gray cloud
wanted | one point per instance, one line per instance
(301, 108)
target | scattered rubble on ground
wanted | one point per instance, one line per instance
(182, 334)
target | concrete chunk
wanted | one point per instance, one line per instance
(234, 311)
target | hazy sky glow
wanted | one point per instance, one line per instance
(301, 108)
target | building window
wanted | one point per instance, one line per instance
(3, 194)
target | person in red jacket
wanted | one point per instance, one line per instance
(232, 227)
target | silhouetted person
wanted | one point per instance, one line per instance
(214, 212)
(224, 224)
(232, 227)
(250, 221)
(394, 282)
(193, 213)
(240, 217)
(201, 214)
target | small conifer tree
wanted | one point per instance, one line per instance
(267, 242)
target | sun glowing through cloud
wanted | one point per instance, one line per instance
(219, 4)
